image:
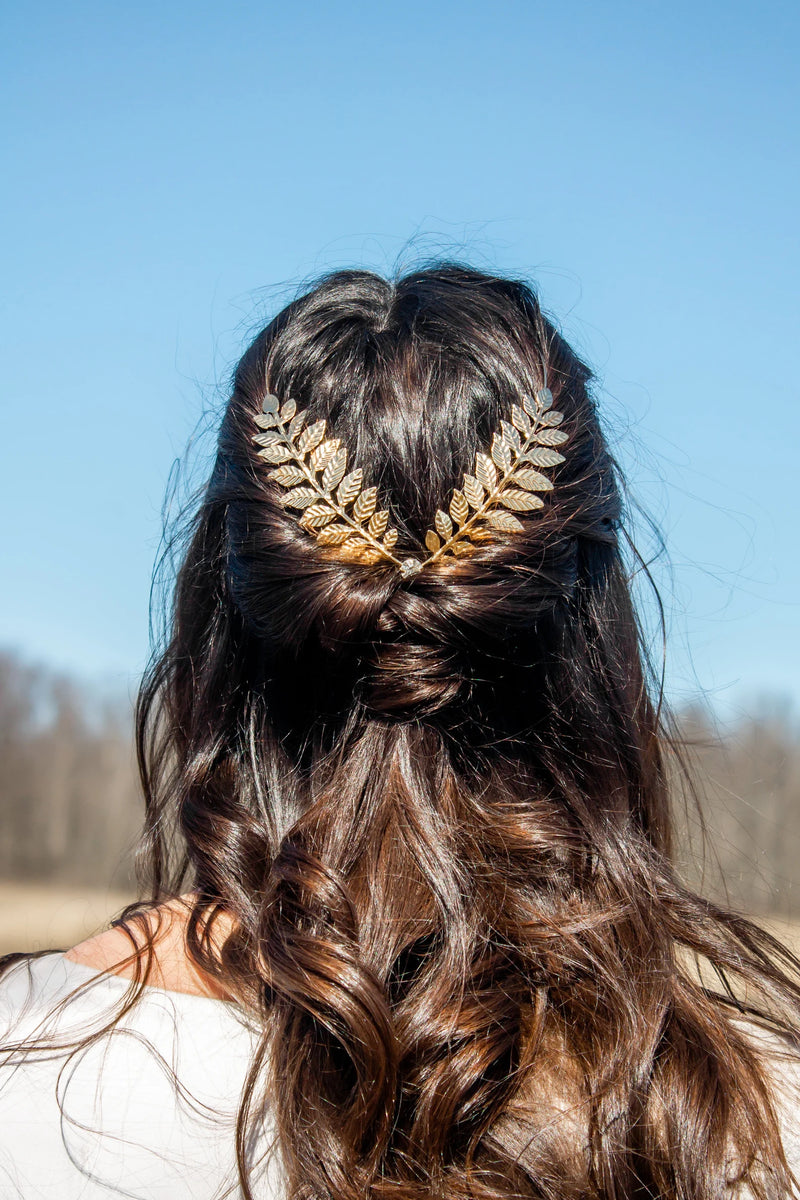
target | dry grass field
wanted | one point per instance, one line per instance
(38, 917)
(787, 931)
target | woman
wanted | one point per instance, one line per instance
(413, 929)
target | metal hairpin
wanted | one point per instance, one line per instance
(343, 515)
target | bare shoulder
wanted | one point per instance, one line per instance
(172, 969)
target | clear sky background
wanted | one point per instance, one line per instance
(173, 172)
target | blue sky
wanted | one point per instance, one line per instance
(176, 171)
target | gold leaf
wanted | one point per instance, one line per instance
(521, 420)
(288, 411)
(542, 456)
(532, 481)
(519, 501)
(544, 398)
(287, 476)
(554, 417)
(511, 436)
(530, 407)
(268, 439)
(354, 548)
(444, 526)
(300, 497)
(501, 453)
(334, 535)
(275, 454)
(311, 437)
(365, 504)
(390, 539)
(473, 491)
(550, 437)
(266, 420)
(349, 488)
(317, 514)
(360, 552)
(461, 549)
(270, 403)
(505, 521)
(459, 509)
(378, 522)
(332, 475)
(432, 541)
(323, 454)
(297, 422)
(485, 472)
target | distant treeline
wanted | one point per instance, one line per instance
(70, 806)
(741, 842)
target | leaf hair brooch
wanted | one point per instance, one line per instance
(336, 508)
(341, 513)
(505, 482)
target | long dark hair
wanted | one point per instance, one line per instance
(436, 807)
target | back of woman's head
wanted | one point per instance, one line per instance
(433, 798)
(491, 650)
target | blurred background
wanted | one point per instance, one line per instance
(175, 173)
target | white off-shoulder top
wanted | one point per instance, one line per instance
(110, 1122)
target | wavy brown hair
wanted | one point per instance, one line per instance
(436, 807)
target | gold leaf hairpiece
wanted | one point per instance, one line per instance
(341, 513)
(336, 508)
(504, 483)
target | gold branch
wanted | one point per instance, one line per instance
(505, 483)
(336, 509)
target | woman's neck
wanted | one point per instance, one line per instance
(172, 967)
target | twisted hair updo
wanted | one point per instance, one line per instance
(414, 377)
(436, 807)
